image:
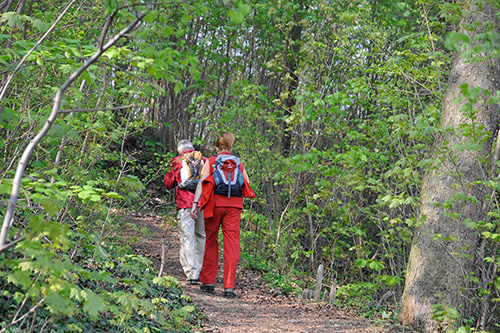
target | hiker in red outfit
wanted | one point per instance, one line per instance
(191, 230)
(220, 210)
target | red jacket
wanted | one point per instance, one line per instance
(183, 198)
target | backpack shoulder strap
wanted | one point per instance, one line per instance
(197, 155)
(184, 171)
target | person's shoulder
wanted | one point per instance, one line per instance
(175, 160)
(210, 160)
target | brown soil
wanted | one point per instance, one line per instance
(256, 307)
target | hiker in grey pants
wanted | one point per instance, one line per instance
(191, 231)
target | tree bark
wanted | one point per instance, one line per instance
(291, 63)
(438, 268)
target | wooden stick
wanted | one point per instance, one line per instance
(333, 293)
(164, 248)
(319, 283)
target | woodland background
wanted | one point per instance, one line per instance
(342, 119)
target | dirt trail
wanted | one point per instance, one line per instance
(255, 309)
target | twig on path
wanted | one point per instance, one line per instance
(164, 248)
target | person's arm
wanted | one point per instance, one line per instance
(205, 172)
(246, 175)
(169, 179)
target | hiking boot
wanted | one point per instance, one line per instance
(229, 293)
(193, 281)
(208, 288)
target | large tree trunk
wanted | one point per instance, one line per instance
(443, 249)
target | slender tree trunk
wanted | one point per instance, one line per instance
(25, 158)
(443, 251)
(291, 62)
(8, 6)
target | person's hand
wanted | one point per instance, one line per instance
(194, 211)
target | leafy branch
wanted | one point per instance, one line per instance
(4, 88)
(8, 218)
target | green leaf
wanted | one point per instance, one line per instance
(12, 19)
(4, 37)
(93, 303)
(237, 15)
(50, 207)
(40, 25)
(20, 278)
(18, 297)
(113, 195)
(178, 87)
(85, 194)
(49, 203)
(100, 252)
(474, 146)
(454, 39)
(95, 198)
(168, 31)
(244, 8)
(184, 311)
(67, 69)
(58, 304)
(497, 283)
(110, 6)
(112, 53)
(464, 329)
(5, 188)
(453, 313)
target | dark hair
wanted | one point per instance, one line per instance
(225, 142)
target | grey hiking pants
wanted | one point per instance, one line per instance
(192, 241)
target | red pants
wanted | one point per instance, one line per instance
(229, 218)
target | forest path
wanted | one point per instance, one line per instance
(255, 309)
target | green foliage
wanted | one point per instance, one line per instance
(72, 272)
(345, 193)
(136, 300)
(359, 295)
(284, 283)
(270, 274)
(238, 13)
(452, 316)
(365, 118)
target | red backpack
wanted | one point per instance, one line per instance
(228, 177)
